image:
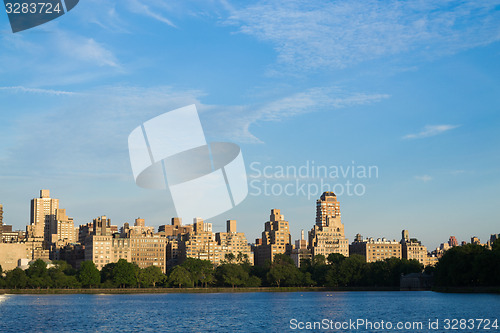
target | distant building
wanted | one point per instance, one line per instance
(11, 253)
(276, 239)
(43, 211)
(474, 240)
(235, 243)
(453, 241)
(375, 250)
(136, 244)
(300, 252)
(62, 229)
(173, 233)
(413, 248)
(12, 236)
(327, 236)
(175, 228)
(200, 244)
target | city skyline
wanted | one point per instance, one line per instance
(409, 88)
(37, 208)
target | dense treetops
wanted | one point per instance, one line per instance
(469, 265)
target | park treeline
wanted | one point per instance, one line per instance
(469, 265)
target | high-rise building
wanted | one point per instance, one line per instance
(327, 209)
(146, 248)
(276, 239)
(453, 241)
(235, 243)
(175, 228)
(300, 252)
(43, 211)
(200, 244)
(140, 245)
(413, 249)
(375, 250)
(475, 240)
(62, 229)
(327, 236)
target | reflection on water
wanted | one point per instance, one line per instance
(231, 312)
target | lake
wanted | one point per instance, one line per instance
(251, 312)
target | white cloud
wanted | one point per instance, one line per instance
(139, 7)
(18, 89)
(424, 178)
(310, 100)
(86, 49)
(430, 130)
(335, 34)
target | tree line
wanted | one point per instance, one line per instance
(333, 271)
(469, 265)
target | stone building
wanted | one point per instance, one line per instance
(327, 236)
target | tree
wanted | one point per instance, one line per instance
(284, 271)
(201, 271)
(88, 274)
(38, 275)
(124, 273)
(151, 275)
(107, 275)
(242, 258)
(179, 276)
(16, 278)
(352, 270)
(229, 257)
(231, 274)
(335, 258)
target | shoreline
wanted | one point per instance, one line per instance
(215, 290)
(211, 290)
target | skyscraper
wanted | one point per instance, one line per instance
(276, 238)
(43, 211)
(328, 210)
(327, 236)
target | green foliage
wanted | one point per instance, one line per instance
(231, 275)
(284, 272)
(150, 276)
(60, 279)
(179, 276)
(469, 266)
(124, 274)
(16, 278)
(229, 257)
(201, 271)
(88, 274)
(38, 275)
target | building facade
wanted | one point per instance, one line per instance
(412, 248)
(327, 236)
(375, 250)
(276, 239)
(235, 243)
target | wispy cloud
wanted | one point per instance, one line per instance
(311, 100)
(424, 178)
(430, 130)
(87, 49)
(140, 7)
(21, 89)
(336, 34)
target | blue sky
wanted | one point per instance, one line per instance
(410, 87)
